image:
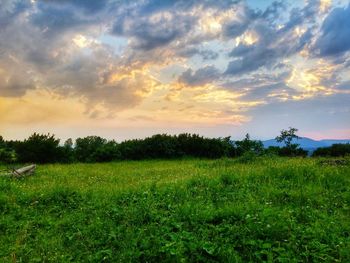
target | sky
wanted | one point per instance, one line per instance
(130, 69)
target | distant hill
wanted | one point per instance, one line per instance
(306, 143)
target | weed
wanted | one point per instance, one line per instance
(251, 210)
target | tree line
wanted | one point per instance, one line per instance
(46, 148)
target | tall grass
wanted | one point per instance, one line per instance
(277, 209)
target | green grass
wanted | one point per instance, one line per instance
(274, 210)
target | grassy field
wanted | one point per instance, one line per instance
(274, 210)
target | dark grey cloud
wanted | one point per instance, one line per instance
(89, 6)
(274, 43)
(43, 53)
(205, 54)
(58, 17)
(15, 80)
(53, 21)
(37, 46)
(208, 54)
(91, 78)
(274, 10)
(15, 86)
(152, 24)
(299, 16)
(249, 58)
(267, 87)
(152, 6)
(236, 27)
(246, 16)
(149, 32)
(200, 77)
(335, 33)
(252, 61)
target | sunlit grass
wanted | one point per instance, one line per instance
(269, 209)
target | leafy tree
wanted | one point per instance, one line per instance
(67, 152)
(7, 155)
(2, 142)
(272, 151)
(336, 150)
(287, 137)
(68, 143)
(167, 146)
(95, 149)
(248, 145)
(38, 148)
(107, 152)
(86, 147)
(290, 149)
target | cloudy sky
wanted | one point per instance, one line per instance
(128, 69)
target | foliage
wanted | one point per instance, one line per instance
(2, 142)
(287, 137)
(248, 145)
(335, 150)
(95, 149)
(184, 145)
(272, 151)
(38, 148)
(268, 210)
(67, 152)
(293, 151)
(7, 155)
(45, 148)
(290, 149)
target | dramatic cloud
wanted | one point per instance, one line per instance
(14, 80)
(153, 31)
(178, 63)
(269, 43)
(89, 6)
(335, 37)
(200, 77)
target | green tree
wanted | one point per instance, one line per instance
(38, 148)
(67, 151)
(336, 150)
(2, 142)
(95, 149)
(290, 149)
(287, 137)
(7, 155)
(248, 145)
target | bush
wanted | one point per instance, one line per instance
(7, 156)
(248, 145)
(95, 149)
(42, 148)
(38, 148)
(167, 146)
(293, 151)
(336, 150)
(286, 151)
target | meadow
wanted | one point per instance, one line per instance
(226, 210)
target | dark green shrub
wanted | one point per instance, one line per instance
(248, 145)
(336, 150)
